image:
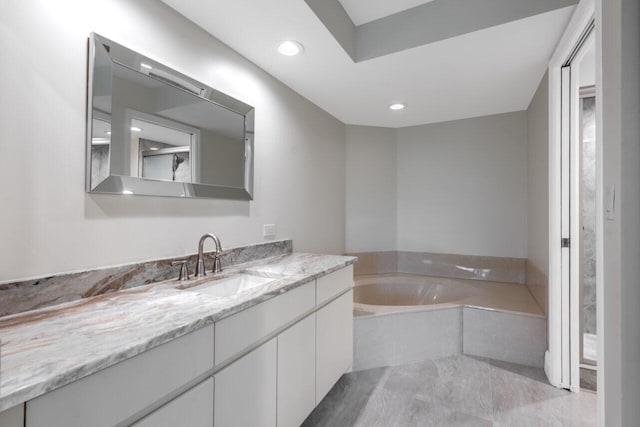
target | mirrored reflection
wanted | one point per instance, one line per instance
(150, 123)
(100, 145)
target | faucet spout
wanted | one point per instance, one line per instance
(200, 267)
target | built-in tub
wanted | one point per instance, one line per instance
(397, 292)
(404, 318)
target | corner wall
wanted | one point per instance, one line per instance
(538, 194)
(371, 189)
(462, 186)
(50, 225)
(618, 35)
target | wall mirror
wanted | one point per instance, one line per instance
(154, 131)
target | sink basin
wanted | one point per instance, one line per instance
(231, 285)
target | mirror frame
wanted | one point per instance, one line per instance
(124, 184)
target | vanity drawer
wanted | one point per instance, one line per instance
(240, 331)
(333, 284)
(119, 392)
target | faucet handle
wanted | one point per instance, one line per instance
(217, 266)
(184, 269)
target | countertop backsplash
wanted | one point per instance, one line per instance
(26, 295)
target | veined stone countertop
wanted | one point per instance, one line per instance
(45, 349)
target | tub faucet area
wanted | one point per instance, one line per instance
(200, 267)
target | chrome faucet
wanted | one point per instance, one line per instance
(200, 268)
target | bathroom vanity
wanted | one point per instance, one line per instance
(174, 353)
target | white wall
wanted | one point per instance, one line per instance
(371, 189)
(50, 225)
(538, 194)
(462, 186)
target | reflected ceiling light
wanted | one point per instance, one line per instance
(127, 192)
(100, 141)
(290, 48)
(396, 106)
(147, 66)
(108, 132)
(136, 129)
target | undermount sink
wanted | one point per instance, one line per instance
(232, 285)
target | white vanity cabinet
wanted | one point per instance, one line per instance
(245, 390)
(334, 329)
(266, 366)
(310, 345)
(126, 391)
(194, 408)
(12, 417)
(296, 389)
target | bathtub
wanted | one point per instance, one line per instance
(404, 318)
(398, 292)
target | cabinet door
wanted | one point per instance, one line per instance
(334, 343)
(245, 391)
(297, 372)
(12, 417)
(194, 408)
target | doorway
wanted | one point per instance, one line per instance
(588, 329)
(578, 212)
(575, 205)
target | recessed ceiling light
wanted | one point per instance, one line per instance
(147, 66)
(396, 106)
(290, 48)
(136, 129)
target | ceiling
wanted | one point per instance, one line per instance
(475, 65)
(363, 11)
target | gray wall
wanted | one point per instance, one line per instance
(371, 189)
(630, 211)
(456, 187)
(619, 37)
(50, 225)
(462, 186)
(538, 194)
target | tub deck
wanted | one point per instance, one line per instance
(497, 296)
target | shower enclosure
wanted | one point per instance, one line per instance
(588, 323)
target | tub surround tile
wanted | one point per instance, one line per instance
(495, 269)
(507, 297)
(48, 348)
(497, 320)
(375, 262)
(21, 296)
(538, 284)
(396, 339)
(504, 336)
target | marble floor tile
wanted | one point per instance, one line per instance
(452, 391)
(589, 379)
(347, 399)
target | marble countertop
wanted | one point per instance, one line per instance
(42, 350)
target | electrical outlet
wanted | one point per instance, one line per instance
(269, 230)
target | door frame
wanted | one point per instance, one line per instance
(558, 365)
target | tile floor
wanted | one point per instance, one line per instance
(452, 391)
